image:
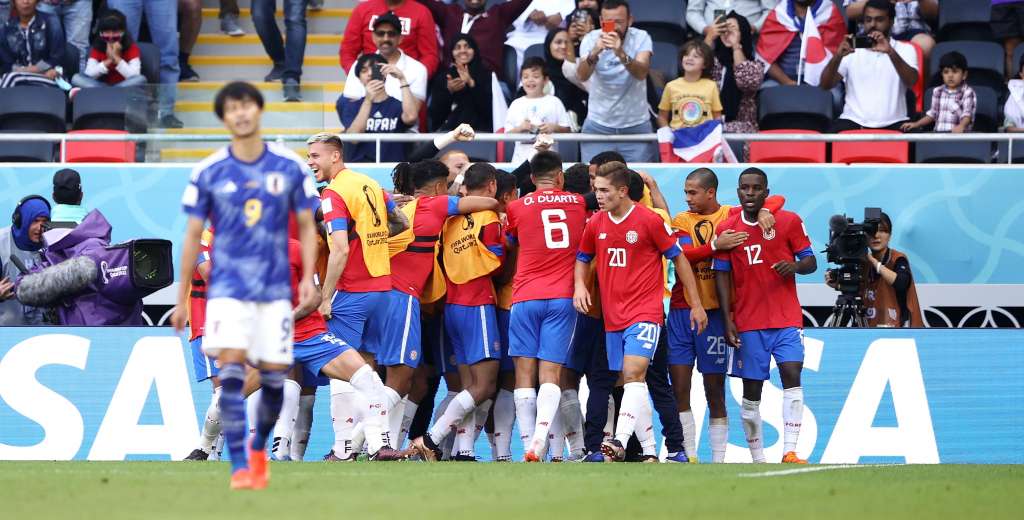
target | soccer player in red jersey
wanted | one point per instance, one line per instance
(546, 225)
(627, 241)
(766, 320)
(205, 366)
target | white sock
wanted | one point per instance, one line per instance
(454, 413)
(547, 405)
(285, 425)
(689, 433)
(408, 414)
(217, 448)
(504, 419)
(396, 414)
(635, 402)
(303, 423)
(446, 446)
(482, 411)
(719, 433)
(572, 422)
(376, 399)
(644, 430)
(464, 433)
(556, 438)
(211, 425)
(751, 416)
(609, 423)
(526, 413)
(252, 406)
(344, 414)
(792, 416)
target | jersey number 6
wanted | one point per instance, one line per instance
(554, 220)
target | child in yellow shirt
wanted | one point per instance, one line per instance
(693, 98)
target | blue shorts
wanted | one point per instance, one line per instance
(638, 339)
(507, 364)
(542, 329)
(435, 342)
(707, 348)
(753, 359)
(587, 334)
(308, 379)
(356, 318)
(400, 340)
(205, 366)
(319, 350)
(473, 331)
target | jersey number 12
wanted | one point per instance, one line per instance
(753, 254)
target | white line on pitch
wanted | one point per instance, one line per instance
(796, 471)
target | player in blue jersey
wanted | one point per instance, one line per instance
(248, 190)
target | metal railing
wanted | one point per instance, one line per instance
(491, 137)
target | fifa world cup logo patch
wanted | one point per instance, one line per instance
(632, 237)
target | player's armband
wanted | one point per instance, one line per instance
(672, 252)
(719, 264)
(338, 224)
(583, 257)
(804, 253)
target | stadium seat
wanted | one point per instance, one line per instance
(1004, 156)
(984, 62)
(787, 151)
(665, 62)
(801, 107)
(33, 109)
(662, 20)
(476, 150)
(964, 20)
(103, 108)
(508, 65)
(953, 152)
(99, 151)
(1018, 51)
(919, 85)
(986, 113)
(150, 58)
(870, 151)
(26, 151)
(535, 50)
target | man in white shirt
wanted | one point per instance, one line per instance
(876, 78)
(387, 36)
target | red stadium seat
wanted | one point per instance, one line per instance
(787, 151)
(871, 151)
(918, 87)
(99, 151)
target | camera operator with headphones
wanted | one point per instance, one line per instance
(887, 287)
(21, 247)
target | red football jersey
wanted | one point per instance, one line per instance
(197, 298)
(411, 268)
(627, 258)
(763, 299)
(312, 324)
(547, 225)
(355, 277)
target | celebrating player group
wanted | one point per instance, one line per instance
(509, 286)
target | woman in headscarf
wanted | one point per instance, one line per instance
(463, 93)
(556, 48)
(738, 74)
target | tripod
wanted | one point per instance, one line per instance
(847, 312)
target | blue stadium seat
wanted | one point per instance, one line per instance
(104, 109)
(27, 152)
(535, 50)
(666, 60)
(965, 20)
(799, 107)
(987, 116)
(1018, 52)
(969, 152)
(33, 109)
(662, 20)
(508, 66)
(984, 62)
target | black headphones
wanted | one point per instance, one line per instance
(16, 216)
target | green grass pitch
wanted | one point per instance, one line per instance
(111, 490)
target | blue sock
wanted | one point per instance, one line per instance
(270, 406)
(232, 413)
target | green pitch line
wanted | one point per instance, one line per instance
(111, 490)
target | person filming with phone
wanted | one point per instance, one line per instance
(377, 112)
(877, 71)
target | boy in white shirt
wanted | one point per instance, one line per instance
(535, 112)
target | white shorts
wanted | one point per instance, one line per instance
(265, 330)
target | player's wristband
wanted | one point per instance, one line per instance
(878, 268)
(714, 244)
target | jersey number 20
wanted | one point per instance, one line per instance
(554, 220)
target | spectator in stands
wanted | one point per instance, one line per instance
(484, 26)
(557, 49)
(692, 99)
(31, 46)
(1008, 26)
(162, 20)
(23, 240)
(387, 36)
(67, 196)
(377, 112)
(76, 18)
(953, 102)
(419, 33)
(229, 18)
(1013, 111)
(535, 112)
(738, 73)
(911, 24)
(534, 24)
(463, 94)
(593, 5)
(114, 59)
(617, 63)
(779, 43)
(286, 55)
(876, 79)
(581, 22)
(190, 16)
(705, 16)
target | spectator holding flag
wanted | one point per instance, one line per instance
(694, 133)
(780, 45)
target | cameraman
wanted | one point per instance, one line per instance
(890, 297)
(23, 241)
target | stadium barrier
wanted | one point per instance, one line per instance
(872, 396)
